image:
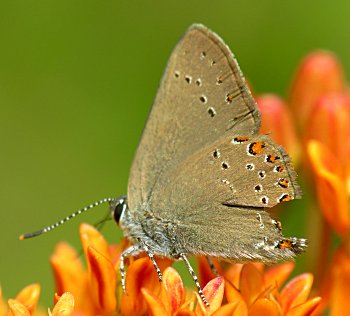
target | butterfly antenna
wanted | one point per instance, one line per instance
(66, 219)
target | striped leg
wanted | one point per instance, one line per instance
(195, 279)
(150, 255)
(133, 250)
(212, 267)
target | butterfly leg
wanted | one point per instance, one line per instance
(150, 255)
(133, 250)
(195, 279)
(212, 267)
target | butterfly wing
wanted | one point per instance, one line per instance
(200, 163)
(236, 235)
(223, 191)
(202, 96)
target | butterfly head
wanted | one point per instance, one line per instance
(118, 208)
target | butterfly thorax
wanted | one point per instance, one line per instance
(158, 235)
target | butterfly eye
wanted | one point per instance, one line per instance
(118, 210)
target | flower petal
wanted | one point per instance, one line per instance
(204, 271)
(332, 112)
(340, 281)
(233, 273)
(70, 276)
(331, 188)
(155, 306)
(17, 308)
(241, 309)
(57, 297)
(226, 310)
(140, 274)
(264, 306)
(296, 291)
(190, 302)
(307, 308)
(278, 274)
(91, 237)
(251, 283)
(67, 268)
(64, 306)
(184, 312)
(232, 294)
(103, 281)
(29, 297)
(318, 74)
(172, 290)
(214, 293)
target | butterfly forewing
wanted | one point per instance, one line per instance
(201, 97)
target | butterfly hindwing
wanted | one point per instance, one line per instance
(218, 199)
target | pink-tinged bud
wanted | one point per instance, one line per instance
(319, 73)
(296, 291)
(277, 120)
(329, 123)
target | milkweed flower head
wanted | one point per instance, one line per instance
(241, 290)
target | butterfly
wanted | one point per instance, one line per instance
(203, 179)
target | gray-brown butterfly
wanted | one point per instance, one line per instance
(203, 179)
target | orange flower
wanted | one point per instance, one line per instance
(26, 301)
(319, 73)
(257, 292)
(244, 289)
(339, 287)
(171, 299)
(320, 100)
(214, 293)
(331, 185)
(93, 290)
(248, 290)
(64, 305)
(140, 275)
(329, 123)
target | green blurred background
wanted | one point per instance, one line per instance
(77, 79)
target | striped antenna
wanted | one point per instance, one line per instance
(62, 221)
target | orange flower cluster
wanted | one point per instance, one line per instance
(26, 302)
(320, 104)
(243, 289)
